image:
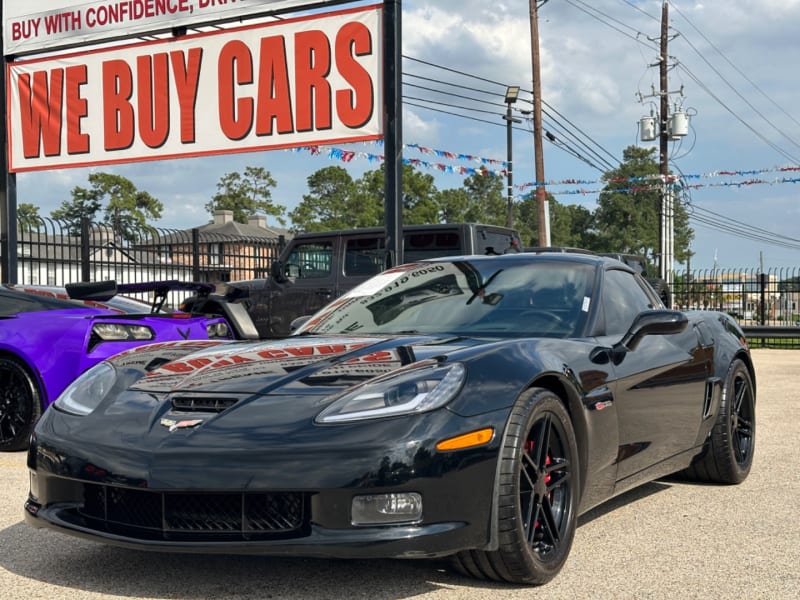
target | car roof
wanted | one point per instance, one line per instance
(532, 257)
(406, 229)
(568, 258)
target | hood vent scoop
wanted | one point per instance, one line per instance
(203, 403)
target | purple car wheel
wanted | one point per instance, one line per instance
(537, 495)
(20, 405)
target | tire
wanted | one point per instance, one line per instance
(728, 453)
(20, 405)
(537, 496)
(662, 290)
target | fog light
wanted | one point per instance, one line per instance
(386, 509)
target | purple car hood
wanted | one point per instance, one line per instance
(301, 365)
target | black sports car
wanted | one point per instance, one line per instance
(469, 407)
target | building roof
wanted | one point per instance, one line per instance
(225, 228)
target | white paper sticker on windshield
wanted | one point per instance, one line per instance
(585, 306)
(374, 284)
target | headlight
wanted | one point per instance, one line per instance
(410, 391)
(218, 330)
(121, 332)
(85, 394)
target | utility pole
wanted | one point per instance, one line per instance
(667, 128)
(541, 193)
(512, 93)
(665, 224)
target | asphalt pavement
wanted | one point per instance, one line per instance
(667, 539)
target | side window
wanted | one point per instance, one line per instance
(623, 299)
(363, 256)
(310, 260)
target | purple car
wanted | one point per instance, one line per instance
(49, 336)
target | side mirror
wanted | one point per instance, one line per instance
(649, 322)
(277, 270)
(653, 322)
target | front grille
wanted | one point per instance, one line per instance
(196, 515)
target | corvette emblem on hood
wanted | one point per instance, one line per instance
(185, 424)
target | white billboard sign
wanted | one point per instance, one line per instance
(308, 80)
(41, 25)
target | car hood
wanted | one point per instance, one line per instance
(297, 366)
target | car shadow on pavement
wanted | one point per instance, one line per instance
(50, 558)
(624, 499)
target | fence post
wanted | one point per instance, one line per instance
(762, 277)
(85, 270)
(195, 254)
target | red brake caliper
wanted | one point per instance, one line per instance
(529, 449)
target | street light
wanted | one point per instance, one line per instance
(512, 93)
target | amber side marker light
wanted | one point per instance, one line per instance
(480, 437)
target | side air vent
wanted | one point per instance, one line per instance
(712, 398)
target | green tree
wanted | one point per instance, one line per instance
(480, 199)
(331, 203)
(453, 203)
(627, 215)
(127, 209)
(28, 218)
(419, 195)
(246, 194)
(85, 204)
(487, 202)
(571, 225)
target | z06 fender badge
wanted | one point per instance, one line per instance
(185, 424)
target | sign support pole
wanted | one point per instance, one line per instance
(393, 132)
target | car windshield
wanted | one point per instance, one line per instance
(465, 297)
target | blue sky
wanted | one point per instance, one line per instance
(735, 60)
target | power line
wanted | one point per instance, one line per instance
(755, 131)
(737, 69)
(565, 128)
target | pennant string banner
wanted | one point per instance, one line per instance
(654, 180)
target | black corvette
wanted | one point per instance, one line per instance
(469, 407)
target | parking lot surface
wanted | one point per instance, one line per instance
(667, 539)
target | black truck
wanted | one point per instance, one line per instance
(315, 268)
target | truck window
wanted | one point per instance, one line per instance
(363, 256)
(420, 245)
(500, 243)
(310, 260)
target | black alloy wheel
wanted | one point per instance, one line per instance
(537, 495)
(728, 454)
(20, 405)
(742, 418)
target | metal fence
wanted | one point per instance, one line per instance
(50, 253)
(766, 303)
